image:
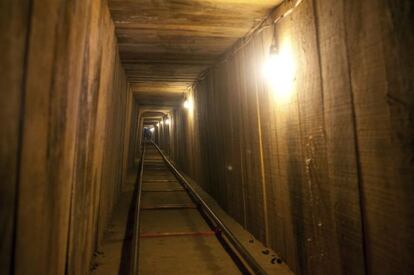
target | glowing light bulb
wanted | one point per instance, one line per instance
(279, 71)
(186, 104)
(167, 121)
(152, 130)
(158, 124)
(162, 122)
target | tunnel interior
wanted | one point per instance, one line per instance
(292, 120)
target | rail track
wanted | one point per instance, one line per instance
(175, 231)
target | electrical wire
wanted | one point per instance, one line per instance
(289, 11)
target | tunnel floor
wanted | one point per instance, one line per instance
(175, 238)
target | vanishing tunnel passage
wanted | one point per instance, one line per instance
(207, 137)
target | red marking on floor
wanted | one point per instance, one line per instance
(169, 206)
(166, 190)
(176, 234)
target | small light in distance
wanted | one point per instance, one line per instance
(167, 121)
(162, 122)
(158, 124)
(152, 130)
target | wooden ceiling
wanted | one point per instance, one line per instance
(158, 99)
(165, 44)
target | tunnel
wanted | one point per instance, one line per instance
(207, 137)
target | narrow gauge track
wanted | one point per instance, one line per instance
(175, 232)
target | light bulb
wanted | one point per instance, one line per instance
(279, 72)
(167, 121)
(186, 104)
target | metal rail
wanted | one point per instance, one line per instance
(246, 257)
(135, 234)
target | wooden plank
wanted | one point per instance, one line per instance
(234, 165)
(219, 128)
(63, 66)
(83, 198)
(379, 40)
(201, 108)
(320, 227)
(291, 175)
(340, 137)
(14, 20)
(250, 148)
(43, 208)
(175, 28)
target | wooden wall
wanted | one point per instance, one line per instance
(62, 110)
(14, 17)
(133, 136)
(326, 177)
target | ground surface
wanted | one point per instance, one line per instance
(189, 248)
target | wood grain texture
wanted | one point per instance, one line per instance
(337, 156)
(43, 205)
(174, 41)
(70, 110)
(321, 252)
(14, 19)
(340, 137)
(379, 40)
(325, 177)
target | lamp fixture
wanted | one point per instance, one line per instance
(186, 104)
(279, 69)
